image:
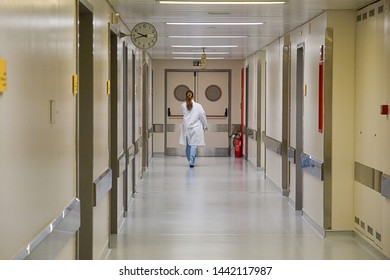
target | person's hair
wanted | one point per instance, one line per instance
(189, 96)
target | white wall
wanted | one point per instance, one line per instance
(254, 94)
(386, 153)
(273, 99)
(359, 132)
(312, 35)
(343, 134)
(372, 129)
(37, 158)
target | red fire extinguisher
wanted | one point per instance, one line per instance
(237, 145)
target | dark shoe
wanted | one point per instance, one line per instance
(191, 165)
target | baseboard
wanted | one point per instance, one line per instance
(313, 223)
(258, 168)
(370, 245)
(106, 251)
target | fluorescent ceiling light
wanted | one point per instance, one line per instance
(215, 23)
(224, 2)
(207, 36)
(204, 47)
(196, 58)
(208, 53)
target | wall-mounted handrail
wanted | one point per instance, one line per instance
(209, 116)
(101, 186)
(312, 165)
(385, 185)
(211, 127)
(272, 144)
(67, 221)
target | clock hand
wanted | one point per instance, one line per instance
(142, 35)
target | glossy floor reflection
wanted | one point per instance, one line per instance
(221, 209)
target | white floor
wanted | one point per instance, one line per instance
(220, 210)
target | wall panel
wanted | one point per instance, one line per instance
(37, 154)
(372, 129)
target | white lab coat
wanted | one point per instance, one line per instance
(194, 124)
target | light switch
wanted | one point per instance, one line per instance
(53, 111)
(3, 76)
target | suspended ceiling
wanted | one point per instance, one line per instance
(277, 20)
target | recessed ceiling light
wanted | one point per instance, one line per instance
(224, 2)
(208, 36)
(198, 58)
(204, 47)
(208, 53)
(219, 13)
(215, 23)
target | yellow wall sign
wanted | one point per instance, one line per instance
(108, 87)
(3, 76)
(75, 84)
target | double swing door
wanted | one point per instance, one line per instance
(212, 90)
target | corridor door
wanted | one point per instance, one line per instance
(177, 83)
(212, 90)
(213, 94)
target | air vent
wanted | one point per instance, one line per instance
(218, 13)
(357, 220)
(362, 225)
(380, 9)
(364, 16)
(378, 236)
(359, 18)
(371, 13)
(370, 230)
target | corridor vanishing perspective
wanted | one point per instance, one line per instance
(222, 209)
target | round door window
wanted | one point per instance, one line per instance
(180, 93)
(213, 93)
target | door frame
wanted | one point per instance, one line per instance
(84, 126)
(134, 148)
(113, 129)
(286, 120)
(196, 71)
(245, 145)
(125, 75)
(299, 125)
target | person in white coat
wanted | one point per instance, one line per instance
(193, 127)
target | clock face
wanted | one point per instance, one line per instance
(144, 35)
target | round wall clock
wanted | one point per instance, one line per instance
(144, 35)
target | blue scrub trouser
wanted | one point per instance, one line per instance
(191, 153)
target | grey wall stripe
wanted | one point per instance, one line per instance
(368, 176)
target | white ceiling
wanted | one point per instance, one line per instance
(278, 20)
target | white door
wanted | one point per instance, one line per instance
(177, 85)
(211, 89)
(213, 94)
